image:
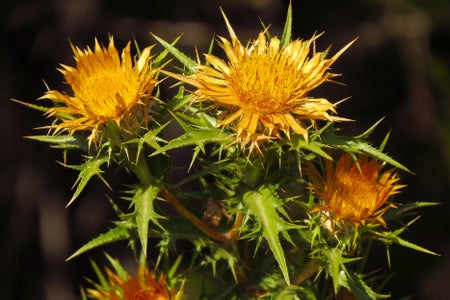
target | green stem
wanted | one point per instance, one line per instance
(141, 170)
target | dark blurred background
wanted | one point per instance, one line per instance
(398, 69)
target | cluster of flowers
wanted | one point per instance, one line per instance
(249, 120)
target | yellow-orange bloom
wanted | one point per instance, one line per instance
(263, 87)
(122, 286)
(354, 191)
(105, 86)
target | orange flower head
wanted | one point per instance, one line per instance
(357, 191)
(122, 286)
(263, 88)
(105, 86)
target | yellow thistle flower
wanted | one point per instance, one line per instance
(105, 87)
(354, 191)
(122, 286)
(264, 86)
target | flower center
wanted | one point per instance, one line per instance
(107, 93)
(264, 83)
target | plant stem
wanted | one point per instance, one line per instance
(310, 268)
(140, 169)
(217, 236)
(233, 234)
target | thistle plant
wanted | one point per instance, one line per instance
(275, 202)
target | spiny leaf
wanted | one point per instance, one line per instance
(64, 142)
(392, 237)
(359, 288)
(211, 168)
(179, 101)
(366, 133)
(215, 254)
(335, 266)
(150, 138)
(195, 136)
(384, 142)
(287, 31)
(356, 145)
(313, 146)
(160, 58)
(374, 152)
(405, 208)
(33, 106)
(143, 201)
(87, 170)
(199, 119)
(118, 233)
(413, 246)
(262, 204)
(54, 139)
(183, 58)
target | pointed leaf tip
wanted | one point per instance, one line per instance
(183, 58)
(115, 234)
(263, 205)
(143, 201)
(287, 30)
(87, 170)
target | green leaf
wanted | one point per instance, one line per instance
(313, 146)
(287, 31)
(33, 106)
(179, 101)
(87, 171)
(183, 58)
(197, 136)
(263, 204)
(150, 138)
(363, 147)
(393, 237)
(57, 141)
(118, 233)
(401, 210)
(369, 131)
(359, 288)
(198, 119)
(335, 266)
(384, 142)
(160, 58)
(143, 201)
(357, 145)
(211, 168)
(410, 245)
(215, 254)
